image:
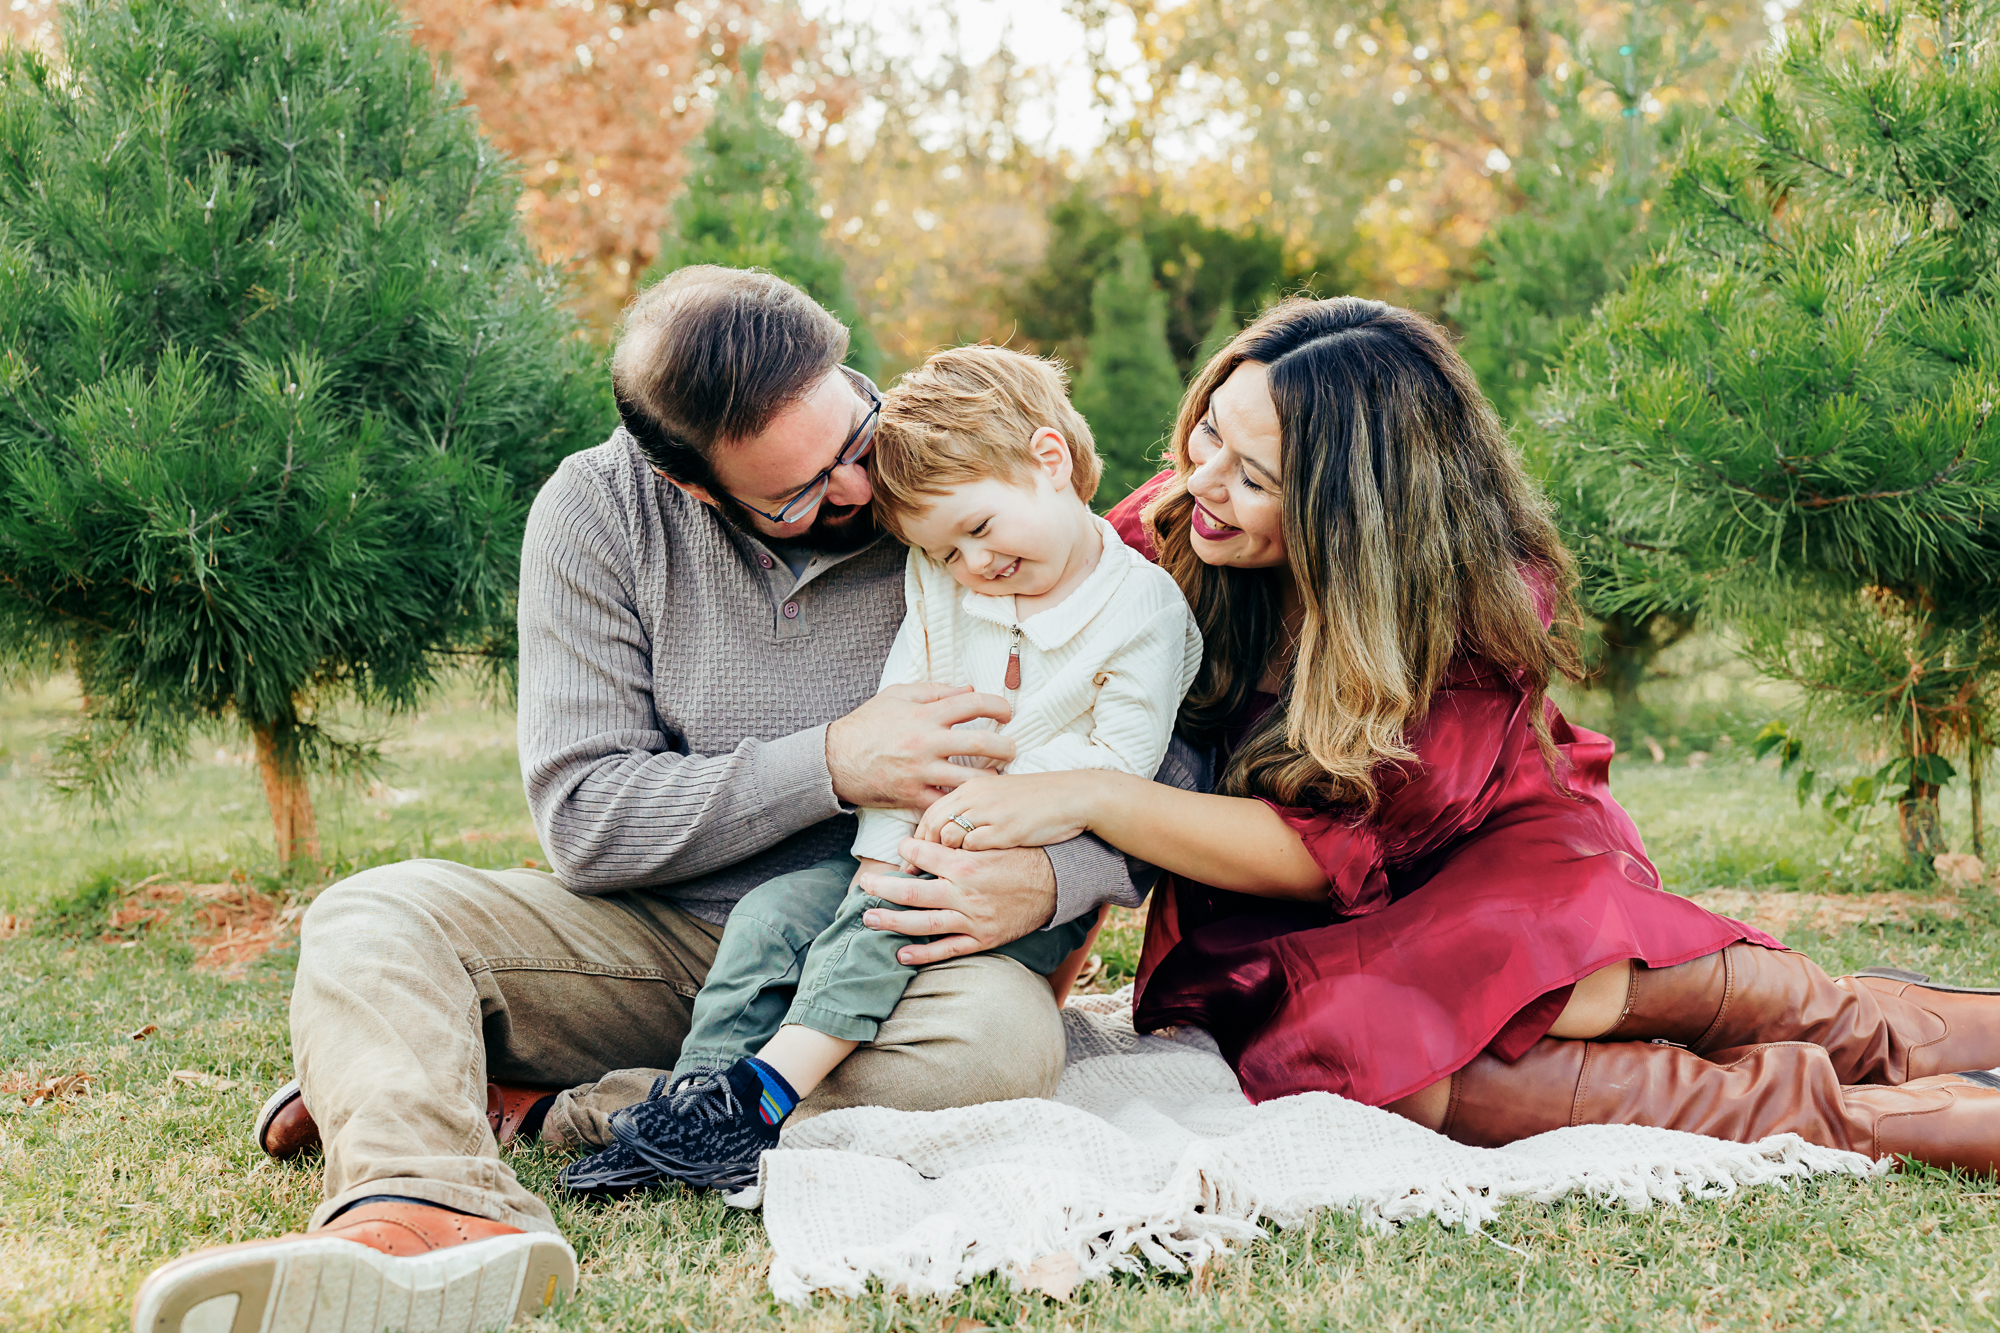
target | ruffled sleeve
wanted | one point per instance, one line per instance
(1350, 853)
(1124, 516)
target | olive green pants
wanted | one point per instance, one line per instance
(419, 982)
(796, 951)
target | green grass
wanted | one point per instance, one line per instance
(96, 1190)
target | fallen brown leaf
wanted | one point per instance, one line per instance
(1087, 975)
(35, 1088)
(1054, 1275)
(10, 926)
(964, 1325)
(213, 1082)
(144, 1032)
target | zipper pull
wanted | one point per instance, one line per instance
(1014, 660)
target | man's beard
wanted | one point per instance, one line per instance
(839, 529)
(836, 529)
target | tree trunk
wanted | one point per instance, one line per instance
(291, 801)
(1917, 818)
(1975, 766)
(1629, 646)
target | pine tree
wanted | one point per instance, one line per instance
(278, 379)
(1200, 269)
(1130, 388)
(1223, 328)
(1580, 226)
(1791, 410)
(750, 203)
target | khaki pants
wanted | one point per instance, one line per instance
(418, 982)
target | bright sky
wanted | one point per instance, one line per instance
(1039, 31)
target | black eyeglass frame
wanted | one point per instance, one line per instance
(852, 450)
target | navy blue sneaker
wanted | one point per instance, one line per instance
(616, 1170)
(709, 1131)
(609, 1174)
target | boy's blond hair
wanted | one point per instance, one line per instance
(967, 414)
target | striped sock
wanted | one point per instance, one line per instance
(777, 1099)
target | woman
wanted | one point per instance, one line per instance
(1411, 886)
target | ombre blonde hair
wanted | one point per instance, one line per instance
(969, 413)
(1413, 536)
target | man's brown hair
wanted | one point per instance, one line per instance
(967, 414)
(709, 355)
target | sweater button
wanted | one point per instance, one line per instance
(766, 561)
(791, 610)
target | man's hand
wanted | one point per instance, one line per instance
(979, 900)
(895, 750)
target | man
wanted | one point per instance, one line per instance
(705, 606)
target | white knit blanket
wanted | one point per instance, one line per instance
(1151, 1155)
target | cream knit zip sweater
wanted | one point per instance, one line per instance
(1102, 671)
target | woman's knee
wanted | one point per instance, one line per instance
(1596, 1003)
(1427, 1106)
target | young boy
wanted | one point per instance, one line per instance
(1013, 587)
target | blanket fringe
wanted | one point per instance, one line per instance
(1206, 1211)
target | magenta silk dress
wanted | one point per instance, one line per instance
(1460, 911)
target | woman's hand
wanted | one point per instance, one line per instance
(1015, 810)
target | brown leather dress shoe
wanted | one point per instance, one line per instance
(1744, 1095)
(284, 1128)
(376, 1267)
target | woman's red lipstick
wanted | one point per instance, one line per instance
(1205, 525)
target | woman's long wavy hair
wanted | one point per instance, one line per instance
(1413, 535)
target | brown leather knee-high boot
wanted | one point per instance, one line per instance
(1744, 1095)
(1874, 1030)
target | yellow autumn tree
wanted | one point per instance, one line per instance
(936, 200)
(1399, 124)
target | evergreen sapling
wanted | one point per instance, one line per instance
(1792, 408)
(1129, 390)
(750, 203)
(278, 379)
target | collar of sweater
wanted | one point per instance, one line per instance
(1060, 623)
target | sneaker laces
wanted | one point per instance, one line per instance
(710, 1096)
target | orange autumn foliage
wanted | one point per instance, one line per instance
(598, 102)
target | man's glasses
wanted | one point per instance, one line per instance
(856, 448)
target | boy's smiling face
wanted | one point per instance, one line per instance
(1007, 538)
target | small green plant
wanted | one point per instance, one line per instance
(1848, 803)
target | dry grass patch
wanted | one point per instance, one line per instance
(235, 922)
(1781, 913)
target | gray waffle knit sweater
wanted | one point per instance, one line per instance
(676, 683)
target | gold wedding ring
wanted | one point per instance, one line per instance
(964, 823)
